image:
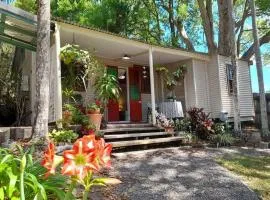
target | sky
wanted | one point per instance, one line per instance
(266, 73)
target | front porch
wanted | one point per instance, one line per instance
(133, 62)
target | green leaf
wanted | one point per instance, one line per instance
(12, 182)
(2, 195)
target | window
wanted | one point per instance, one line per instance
(229, 78)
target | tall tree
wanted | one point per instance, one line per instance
(263, 108)
(41, 112)
(232, 53)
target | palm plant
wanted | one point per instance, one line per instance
(107, 88)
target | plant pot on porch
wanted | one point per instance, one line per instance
(95, 119)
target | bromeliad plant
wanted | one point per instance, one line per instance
(81, 164)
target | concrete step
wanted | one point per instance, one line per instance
(132, 129)
(127, 125)
(146, 141)
(136, 135)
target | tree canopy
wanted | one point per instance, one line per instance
(196, 25)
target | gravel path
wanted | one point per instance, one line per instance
(175, 174)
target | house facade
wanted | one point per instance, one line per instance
(207, 82)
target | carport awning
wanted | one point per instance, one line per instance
(18, 27)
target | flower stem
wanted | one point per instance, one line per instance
(70, 189)
(85, 194)
(22, 185)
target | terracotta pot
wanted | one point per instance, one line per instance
(169, 129)
(95, 119)
(97, 111)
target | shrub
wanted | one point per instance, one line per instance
(222, 139)
(21, 177)
(183, 125)
(63, 136)
(200, 122)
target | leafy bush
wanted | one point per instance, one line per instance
(183, 125)
(63, 136)
(220, 136)
(200, 122)
(22, 178)
(222, 139)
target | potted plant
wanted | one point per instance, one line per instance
(106, 88)
(179, 74)
(167, 124)
(93, 111)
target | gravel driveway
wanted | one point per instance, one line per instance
(175, 174)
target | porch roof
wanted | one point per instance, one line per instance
(112, 46)
(17, 27)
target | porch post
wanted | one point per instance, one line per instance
(58, 101)
(152, 84)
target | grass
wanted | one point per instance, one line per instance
(255, 172)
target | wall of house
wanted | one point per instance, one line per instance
(201, 84)
(244, 89)
(214, 87)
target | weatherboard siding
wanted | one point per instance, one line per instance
(214, 87)
(244, 88)
(201, 84)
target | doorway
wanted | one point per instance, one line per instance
(118, 109)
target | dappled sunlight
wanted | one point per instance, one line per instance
(176, 174)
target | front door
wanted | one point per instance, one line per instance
(113, 105)
(135, 94)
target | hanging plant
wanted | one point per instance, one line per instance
(179, 74)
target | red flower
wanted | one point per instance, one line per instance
(50, 160)
(80, 159)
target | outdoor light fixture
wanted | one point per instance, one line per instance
(122, 77)
(126, 57)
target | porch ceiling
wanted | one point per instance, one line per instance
(113, 47)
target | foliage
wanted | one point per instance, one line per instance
(21, 177)
(254, 171)
(222, 139)
(27, 5)
(106, 88)
(200, 122)
(78, 66)
(183, 125)
(93, 107)
(171, 79)
(87, 156)
(58, 136)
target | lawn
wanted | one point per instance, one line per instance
(255, 172)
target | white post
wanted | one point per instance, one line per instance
(58, 102)
(152, 84)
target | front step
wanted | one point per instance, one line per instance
(146, 142)
(135, 135)
(114, 125)
(132, 129)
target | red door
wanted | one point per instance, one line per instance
(113, 105)
(135, 94)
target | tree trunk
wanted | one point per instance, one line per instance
(40, 126)
(264, 121)
(224, 47)
(207, 21)
(237, 123)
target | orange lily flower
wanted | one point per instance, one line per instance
(79, 160)
(50, 160)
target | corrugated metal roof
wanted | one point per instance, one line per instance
(58, 19)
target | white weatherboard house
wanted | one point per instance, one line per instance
(207, 83)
